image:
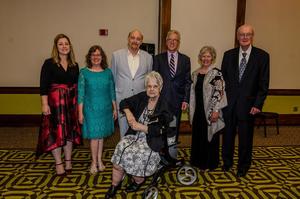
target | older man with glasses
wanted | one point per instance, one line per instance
(246, 73)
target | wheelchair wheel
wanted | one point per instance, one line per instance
(150, 193)
(186, 175)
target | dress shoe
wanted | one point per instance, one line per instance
(112, 191)
(133, 186)
(241, 172)
(68, 170)
(226, 168)
(59, 167)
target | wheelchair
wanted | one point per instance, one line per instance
(186, 174)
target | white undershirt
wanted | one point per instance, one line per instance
(133, 62)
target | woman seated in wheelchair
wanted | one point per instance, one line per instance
(138, 152)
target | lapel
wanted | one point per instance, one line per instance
(125, 64)
(166, 63)
(236, 64)
(141, 63)
(179, 65)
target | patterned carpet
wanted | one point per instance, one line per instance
(275, 173)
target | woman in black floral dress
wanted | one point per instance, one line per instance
(138, 152)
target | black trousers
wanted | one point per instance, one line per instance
(244, 129)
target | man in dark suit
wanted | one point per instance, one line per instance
(246, 73)
(175, 69)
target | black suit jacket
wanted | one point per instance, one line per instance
(175, 89)
(159, 129)
(253, 88)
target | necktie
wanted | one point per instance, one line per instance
(172, 65)
(243, 65)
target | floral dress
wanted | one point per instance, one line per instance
(133, 153)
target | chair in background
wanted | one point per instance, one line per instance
(264, 116)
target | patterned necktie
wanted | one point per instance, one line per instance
(243, 65)
(172, 65)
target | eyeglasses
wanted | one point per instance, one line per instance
(245, 35)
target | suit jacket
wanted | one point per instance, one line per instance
(254, 85)
(158, 131)
(175, 89)
(125, 84)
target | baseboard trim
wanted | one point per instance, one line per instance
(36, 90)
(19, 120)
(284, 120)
(34, 120)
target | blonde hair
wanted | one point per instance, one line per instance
(55, 54)
(173, 32)
(211, 50)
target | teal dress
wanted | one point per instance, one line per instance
(96, 91)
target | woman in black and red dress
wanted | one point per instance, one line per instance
(58, 89)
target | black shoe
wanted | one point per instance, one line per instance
(133, 186)
(241, 172)
(226, 168)
(112, 191)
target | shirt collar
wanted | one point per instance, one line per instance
(174, 53)
(248, 51)
(129, 53)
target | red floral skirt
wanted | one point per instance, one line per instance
(62, 124)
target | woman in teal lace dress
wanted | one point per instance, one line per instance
(96, 101)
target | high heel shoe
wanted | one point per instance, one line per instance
(133, 186)
(68, 171)
(112, 191)
(59, 174)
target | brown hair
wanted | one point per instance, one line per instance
(102, 53)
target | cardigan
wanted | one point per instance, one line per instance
(161, 126)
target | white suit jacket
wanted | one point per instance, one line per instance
(125, 84)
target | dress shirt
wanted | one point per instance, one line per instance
(133, 62)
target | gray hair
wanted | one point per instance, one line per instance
(154, 75)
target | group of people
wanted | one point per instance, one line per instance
(148, 94)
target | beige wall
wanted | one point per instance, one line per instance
(28, 27)
(277, 30)
(203, 22)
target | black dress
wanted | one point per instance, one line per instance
(204, 154)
